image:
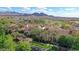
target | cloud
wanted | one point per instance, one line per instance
(25, 8)
(69, 9)
(63, 12)
(41, 8)
(73, 14)
(67, 14)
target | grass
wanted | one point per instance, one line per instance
(42, 45)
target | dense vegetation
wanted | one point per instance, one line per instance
(38, 35)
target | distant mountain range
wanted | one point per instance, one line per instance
(37, 16)
(24, 14)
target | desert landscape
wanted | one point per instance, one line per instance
(38, 32)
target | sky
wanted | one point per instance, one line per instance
(55, 11)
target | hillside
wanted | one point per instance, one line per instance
(38, 32)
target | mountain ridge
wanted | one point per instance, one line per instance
(37, 15)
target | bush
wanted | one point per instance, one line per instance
(76, 44)
(9, 43)
(65, 26)
(6, 42)
(34, 33)
(23, 46)
(66, 41)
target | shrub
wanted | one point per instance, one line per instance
(9, 43)
(6, 42)
(66, 41)
(23, 46)
(76, 44)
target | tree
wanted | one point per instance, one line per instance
(9, 43)
(6, 42)
(76, 43)
(66, 41)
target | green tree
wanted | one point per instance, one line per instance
(6, 41)
(76, 44)
(66, 41)
(9, 43)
